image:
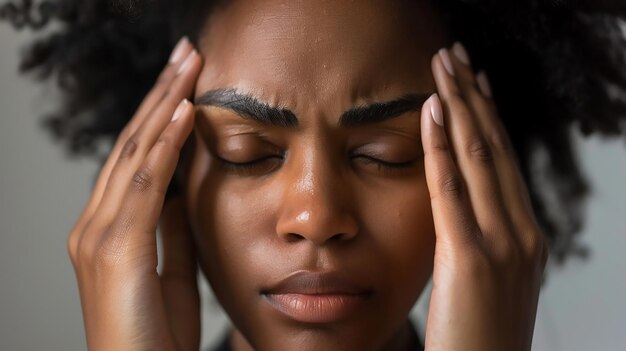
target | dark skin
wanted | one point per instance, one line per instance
(386, 202)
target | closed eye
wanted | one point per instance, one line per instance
(382, 163)
(257, 166)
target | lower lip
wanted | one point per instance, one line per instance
(318, 308)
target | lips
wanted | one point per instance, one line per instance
(316, 297)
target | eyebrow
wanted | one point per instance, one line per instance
(248, 107)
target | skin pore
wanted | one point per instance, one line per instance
(315, 195)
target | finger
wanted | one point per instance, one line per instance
(452, 212)
(133, 228)
(155, 95)
(141, 142)
(179, 276)
(181, 50)
(477, 90)
(473, 154)
(144, 197)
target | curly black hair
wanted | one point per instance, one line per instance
(554, 65)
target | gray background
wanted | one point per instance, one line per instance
(42, 191)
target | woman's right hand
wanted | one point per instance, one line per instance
(126, 303)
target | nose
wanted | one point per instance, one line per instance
(317, 207)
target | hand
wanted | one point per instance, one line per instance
(490, 252)
(113, 248)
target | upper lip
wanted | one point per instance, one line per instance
(316, 283)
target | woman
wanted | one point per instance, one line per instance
(333, 156)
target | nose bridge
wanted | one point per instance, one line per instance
(307, 182)
(316, 205)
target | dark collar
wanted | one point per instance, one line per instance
(417, 344)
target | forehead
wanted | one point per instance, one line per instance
(320, 56)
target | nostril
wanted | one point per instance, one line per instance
(293, 237)
(338, 237)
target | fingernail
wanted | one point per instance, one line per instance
(179, 50)
(459, 51)
(180, 109)
(436, 111)
(187, 62)
(447, 63)
(483, 83)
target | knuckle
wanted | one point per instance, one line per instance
(101, 245)
(500, 142)
(72, 246)
(438, 146)
(479, 150)
(125, 134)
(130, 147)
(78, 242)
(167, 94)
(108, 251)
(451, 186)
(86, 248)
(165, 142)
(506, 252)
(535, 246)
(143, 179)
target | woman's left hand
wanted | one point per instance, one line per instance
(490, 252)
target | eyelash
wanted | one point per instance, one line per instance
(248, 168)
(245, 168)
(381, 165)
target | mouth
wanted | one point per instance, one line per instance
(316, 297)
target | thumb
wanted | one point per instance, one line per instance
(179, 276)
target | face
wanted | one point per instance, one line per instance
(306, 189)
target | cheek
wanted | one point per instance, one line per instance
(227, 220)
(399, 220)
(218, 207)
(400, 217)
